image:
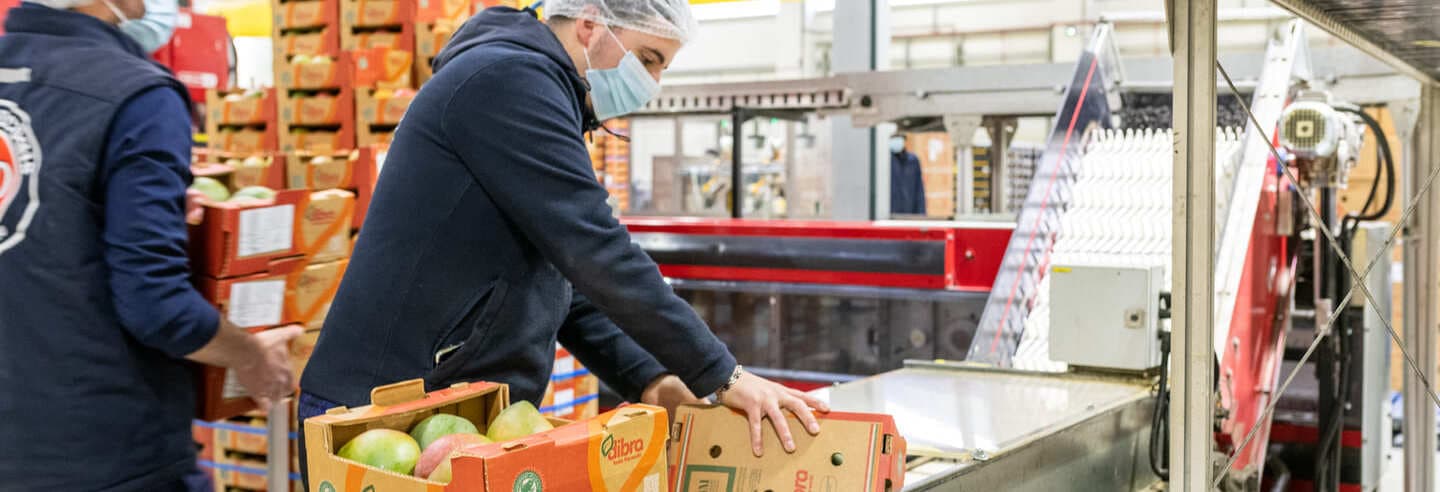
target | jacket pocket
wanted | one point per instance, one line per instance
(454, 347)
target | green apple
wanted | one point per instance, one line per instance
(385, 449)
(253, 193)
(213, 189)
(439, 425)
(253, 161)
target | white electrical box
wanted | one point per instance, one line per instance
(1105, 316)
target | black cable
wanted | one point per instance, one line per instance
(1160, 420)
(1388, 159)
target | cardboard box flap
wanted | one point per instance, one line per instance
(397, 393)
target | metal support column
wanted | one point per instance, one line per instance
(1192, 426)
(738, 116)
(1421, 291)
(862, 41)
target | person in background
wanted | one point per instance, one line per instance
(907, 182)
(488, 238)
(97, 313)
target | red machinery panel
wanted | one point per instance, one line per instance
(6, 5)
(921, 255)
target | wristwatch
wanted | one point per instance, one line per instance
(734, 378)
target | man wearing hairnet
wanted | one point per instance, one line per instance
(97, 314)
(489, 238)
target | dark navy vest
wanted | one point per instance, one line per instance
(83, 406)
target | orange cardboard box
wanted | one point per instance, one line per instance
(368, 136)
(244, 140)
(383, 107)
(573, 392)
(320, 171)
(236, 239)
(310, 290)
(318, 109)
(325, 41)
(620, 450)
(452, 11)
(243, 434)
(368, 162)
(315, 72)
(243, 472)
(320, 140)
(304, 14)
(254, 301)
(323, 230)
(402, 39)
(710, 450)
(238, 172)
(429, 38)
(255, 107)
(383, 68)
(377, 13)
(300, 349)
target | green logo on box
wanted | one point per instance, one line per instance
(607, 445)
(528, 482)
(326, 486)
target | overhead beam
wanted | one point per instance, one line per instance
(1330, 24)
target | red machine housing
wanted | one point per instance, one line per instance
(972, 251)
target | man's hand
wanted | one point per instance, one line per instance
(760, 398)
(268, 377)
(669, 392)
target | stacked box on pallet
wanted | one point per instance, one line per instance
(241, 447)
(243, 135)
(316, 108)
(610, 158)
(938, 171)
(573, 392)
(385, 88)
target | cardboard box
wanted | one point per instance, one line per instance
(254, 301)
(318, 72)
(240, 434)
(368, 162)
(300, 349)
(710, 450)
(573, 392)
(398, 38)
(320, 171)
(319, 140)
(243, 472)
(621, 450)
(324, 225)
(244, 140)
(430, 37)
(423, 70)
(310, 290)
(377, 13)
(324, 41)
(450, 11)
(382, 68)
(235, 239)
(256, 107)
(305, 14)
(238, 170)
(382, 107)
(318, 109)
(375, 135)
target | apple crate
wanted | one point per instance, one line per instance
(329, 108)
(383, 68)
(620, 450)
(376, 13)
(318, 139)
(322, 41)
(238, 170)
(453, 12)
(242, 108)
(305, 14)
(314, 72)
(401, 37)
(236, 239)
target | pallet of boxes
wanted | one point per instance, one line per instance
(244, 255)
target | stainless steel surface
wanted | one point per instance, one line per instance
(985, 429)
(1422, 270)
(1375, 368)
(1193, 270)
(1395, 31)
(950, 412)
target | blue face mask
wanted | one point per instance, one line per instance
(621, 90)
(152, 30)
(897, 145)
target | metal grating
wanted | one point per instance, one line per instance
(1406, 29)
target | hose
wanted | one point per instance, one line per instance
(1160, 420)
(1385, 166)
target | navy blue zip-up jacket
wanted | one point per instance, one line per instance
(96, 308)
(486, 213)
(907, 184)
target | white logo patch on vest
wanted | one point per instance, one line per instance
(19, 174)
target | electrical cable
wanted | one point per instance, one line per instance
(1160, 419)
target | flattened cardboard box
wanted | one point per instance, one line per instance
(621, 450)
(710, 451)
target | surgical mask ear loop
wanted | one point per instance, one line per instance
(121, 15)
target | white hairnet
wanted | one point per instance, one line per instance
(665, 18)
(61, 4)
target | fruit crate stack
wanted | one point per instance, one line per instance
(235, 453)
(610, 158)
(937, 169)
(316, 102)
(379, 38)
(243, 137)
(573, 393)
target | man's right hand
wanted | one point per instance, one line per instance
(761, 398)
(269, 377)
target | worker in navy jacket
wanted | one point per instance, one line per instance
(97, 314)
(489, 239)
(907, 180)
